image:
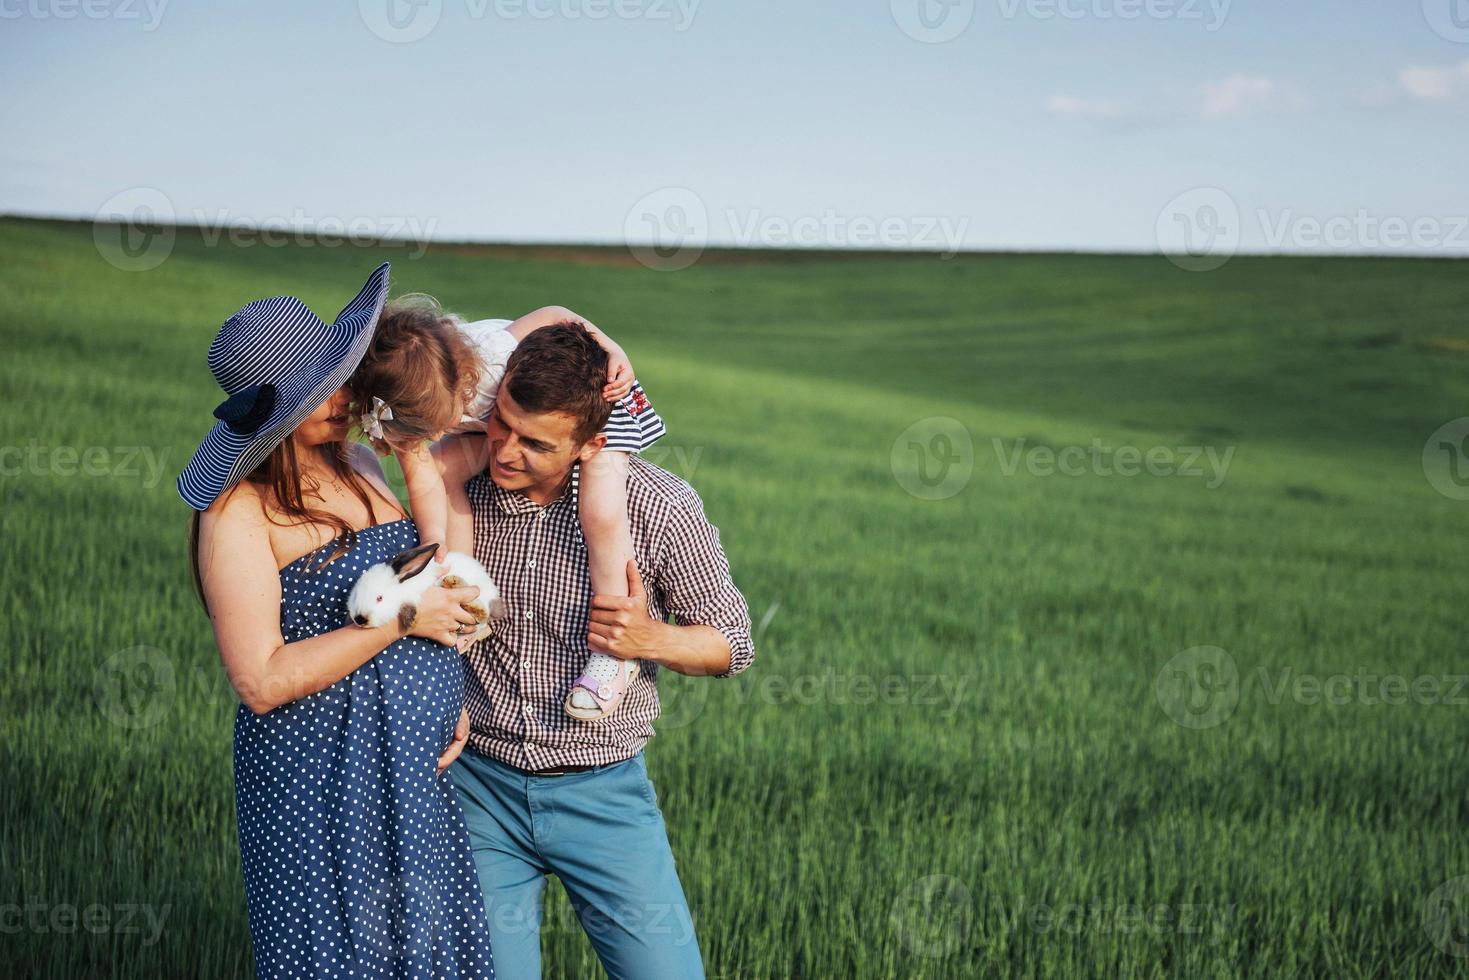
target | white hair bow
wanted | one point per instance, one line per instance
(374, 417)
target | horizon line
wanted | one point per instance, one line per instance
(734, 247)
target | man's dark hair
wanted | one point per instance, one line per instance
(561, 368)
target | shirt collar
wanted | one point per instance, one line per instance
(516, 502)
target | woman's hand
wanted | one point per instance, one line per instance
(441, 614)
(461, 736)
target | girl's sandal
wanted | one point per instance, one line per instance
(608, 695)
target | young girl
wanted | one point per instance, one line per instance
(429, 373)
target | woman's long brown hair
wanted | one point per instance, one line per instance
(279, 479)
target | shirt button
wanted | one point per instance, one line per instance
(531, 563)
(527, 614)
(525, 663)
(531, 745)
(529, 709)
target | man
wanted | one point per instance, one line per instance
(542, 793)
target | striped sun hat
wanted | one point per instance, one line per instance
(278, 362)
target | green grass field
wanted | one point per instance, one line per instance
(963, 749)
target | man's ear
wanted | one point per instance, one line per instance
(591, 447)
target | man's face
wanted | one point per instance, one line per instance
(533, 451)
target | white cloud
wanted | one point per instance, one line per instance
(1075, 108)
(1237, 94)
(1435, 83)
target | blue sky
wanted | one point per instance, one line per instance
(1092, 124)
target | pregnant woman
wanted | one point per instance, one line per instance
(353, 845)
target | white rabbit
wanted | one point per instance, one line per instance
(393, 589)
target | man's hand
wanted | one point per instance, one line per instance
(621, 626)
(461, 736)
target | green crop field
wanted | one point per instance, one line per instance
(1110, 616)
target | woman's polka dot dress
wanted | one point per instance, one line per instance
(355, 855)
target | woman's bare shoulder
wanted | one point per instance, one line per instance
(242, 505)
(234, 535)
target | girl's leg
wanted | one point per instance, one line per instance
(602, 507)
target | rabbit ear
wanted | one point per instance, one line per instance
(409, 563)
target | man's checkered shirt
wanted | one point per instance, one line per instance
(518, 676)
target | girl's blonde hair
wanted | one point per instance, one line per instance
(421, 366)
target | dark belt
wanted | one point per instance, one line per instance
(554, 771)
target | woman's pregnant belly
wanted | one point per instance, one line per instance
(390, 718)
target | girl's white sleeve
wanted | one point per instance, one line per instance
(494, 344)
